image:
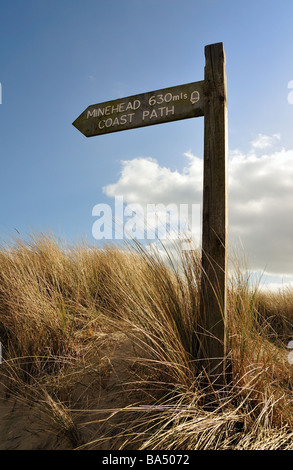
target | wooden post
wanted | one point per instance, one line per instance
(214, 219)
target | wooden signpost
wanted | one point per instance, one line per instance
(206, 98)
(214, 214)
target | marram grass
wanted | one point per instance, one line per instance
(100, 345)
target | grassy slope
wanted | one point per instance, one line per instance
(99, 351)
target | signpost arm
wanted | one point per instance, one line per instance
(214, 221)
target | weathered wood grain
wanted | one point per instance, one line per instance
(214, 219)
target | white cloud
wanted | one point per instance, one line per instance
(260, 198)
(144, 181)
(261, 208)
(265, 141)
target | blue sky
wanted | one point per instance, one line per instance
(58, 57)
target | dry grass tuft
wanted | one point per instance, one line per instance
(104, 344)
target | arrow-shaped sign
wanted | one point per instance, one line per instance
(154, 107)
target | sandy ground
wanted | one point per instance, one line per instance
(24, 427)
